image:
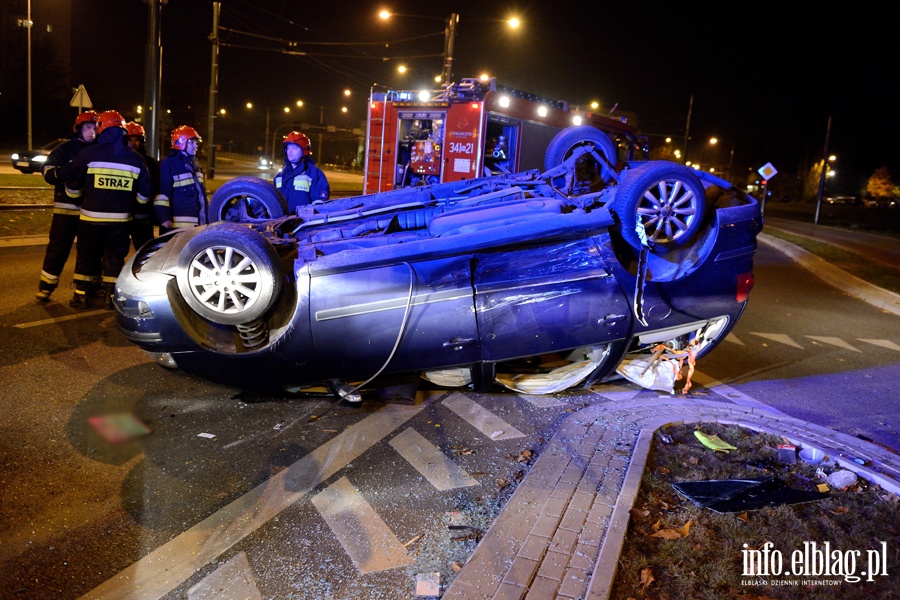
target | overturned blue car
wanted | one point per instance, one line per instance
(552, 277)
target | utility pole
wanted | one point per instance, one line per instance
(449, 43)
(153, 79)
(213, 91)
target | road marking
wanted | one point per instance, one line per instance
(232, 581)
(726, 391)
(365, 537)
(622, 396)
(734, 339)
(427, 459)
(89, 313)
(164, 569)
(542, 401)
(780, 338)
(883, 343)
(480, 418)
(834, 341)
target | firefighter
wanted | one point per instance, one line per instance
(64, 223)
(300, 181)
(181, 202)
(105, 180)
(142, 225)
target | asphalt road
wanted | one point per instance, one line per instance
(227, 479)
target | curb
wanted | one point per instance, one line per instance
(563, 530)
(836, 277)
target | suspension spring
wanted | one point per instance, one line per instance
(254, 334)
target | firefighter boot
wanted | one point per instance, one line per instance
(44, 291)
(105, 295)
(79, 300)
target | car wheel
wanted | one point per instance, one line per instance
(246, 200)
(229, 274)
(590, 173)
(666, 199)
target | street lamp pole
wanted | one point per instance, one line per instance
(28, 25)
(213, 92)
(449, 43)
(266, 139)
(152, 79)
(730, 162)
(824, 170)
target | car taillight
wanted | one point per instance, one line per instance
(744, 285)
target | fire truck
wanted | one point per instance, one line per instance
(474, 129)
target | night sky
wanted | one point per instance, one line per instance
(764, 77)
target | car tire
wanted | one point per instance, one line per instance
(219, 295)
(567, 140)
(667, 199)
(246, 200)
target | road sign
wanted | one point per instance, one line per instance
(767, 171)
(81, 98)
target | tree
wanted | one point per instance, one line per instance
(813, 177)
(880, 185)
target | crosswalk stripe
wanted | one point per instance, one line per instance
(733, 339)
(734, 395)
(619, 396)
(542, 401)
(480, 418)
(834, 341)
(780, 338)
(232, 581)
(164, 569)
(369, 542)
(427, 459)
(883, 343)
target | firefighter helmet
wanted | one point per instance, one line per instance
(181, 135)
(110, 118)
(295, 137)
(134, 129)
(87, 116)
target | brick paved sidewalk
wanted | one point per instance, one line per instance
(561, 533)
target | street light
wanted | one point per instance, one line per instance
(449, 39)
(713, 141)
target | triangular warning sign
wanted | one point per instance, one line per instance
(81, 98)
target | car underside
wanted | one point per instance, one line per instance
(534, 281)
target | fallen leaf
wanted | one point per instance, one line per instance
(840, 509)
(646, 578)
(743, 517)
(684, 529)
(456, 567)
(663, 470)
(667, 534)
(637, 513)
(656, 526)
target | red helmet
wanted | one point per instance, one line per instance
(87, 116)
(134, 129)
(110, 118)
(181, 135)
(295, 137)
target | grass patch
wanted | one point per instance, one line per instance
(707, 563)
(883, 276)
